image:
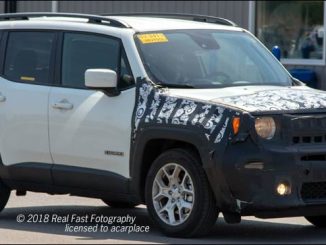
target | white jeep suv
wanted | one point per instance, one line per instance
(190, 115)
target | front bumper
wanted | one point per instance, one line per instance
(253, 170)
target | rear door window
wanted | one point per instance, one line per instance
(28, 56)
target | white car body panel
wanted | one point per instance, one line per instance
(24, 123)
(97, 123)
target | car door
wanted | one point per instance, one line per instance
(90, 130)
(24, 92)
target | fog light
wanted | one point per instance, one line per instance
(283, 189)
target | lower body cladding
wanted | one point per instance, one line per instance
(273, 180)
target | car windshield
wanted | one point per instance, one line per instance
(208, 59)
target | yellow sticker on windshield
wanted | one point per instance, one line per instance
(153, 38)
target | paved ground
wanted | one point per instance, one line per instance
(251, 230)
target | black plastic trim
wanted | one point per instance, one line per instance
(27, 172)
(3, 47)
(88, 178)
(93, 19)
(63, 179)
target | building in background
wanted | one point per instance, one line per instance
(297, 27)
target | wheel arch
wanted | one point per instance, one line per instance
(150, 143)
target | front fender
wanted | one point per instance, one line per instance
(206, 126)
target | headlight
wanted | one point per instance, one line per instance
(265, 127)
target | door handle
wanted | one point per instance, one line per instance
(64, 104)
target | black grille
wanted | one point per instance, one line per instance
(308, 122)
(311, 158)
(309, 139)
(313, 191)
(305, 129)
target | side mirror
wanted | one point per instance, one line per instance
(101, 78)
(276, 51)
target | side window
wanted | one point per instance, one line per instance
(28, 57)
(85, 51)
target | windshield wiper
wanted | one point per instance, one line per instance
(296, 82)
(174, 85)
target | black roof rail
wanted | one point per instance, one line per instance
(193, 17)
(95, 19)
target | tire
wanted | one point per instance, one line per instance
(4, 195)
(120, 204)
(184, 214)
(318, 221)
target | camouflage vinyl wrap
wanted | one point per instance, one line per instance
(155, 107)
